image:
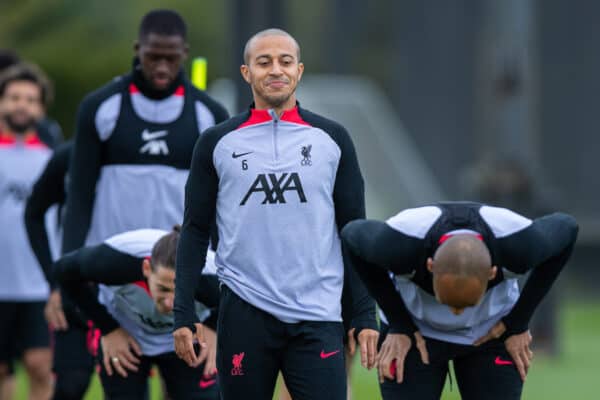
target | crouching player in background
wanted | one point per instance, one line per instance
(135, 273)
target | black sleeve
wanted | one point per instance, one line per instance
(372, 247)
(207, 293)
(358, 308)
(83, 175)
(200, 204)
(545, 246)
(97, 264)
(48, 190)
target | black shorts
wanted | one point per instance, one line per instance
(254, 346)
(181, 381)
(484, 372)
(22, 327)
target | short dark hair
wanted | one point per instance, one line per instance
(31, 73)
(164, 251)
(8, 58)
(162, 22)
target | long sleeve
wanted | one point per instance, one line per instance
(83, 175)
(208, 293)
(372, 247)
(545, 246)
(200, 204)
(97, 264)
(47, 191)
(358, 307)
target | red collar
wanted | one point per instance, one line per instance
(261, 116)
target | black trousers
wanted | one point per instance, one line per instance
(485, 372)
(182, 382)
(254, 346)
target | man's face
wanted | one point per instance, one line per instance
(21, 106)
(272, 70)
(162, 287)
(161, 58)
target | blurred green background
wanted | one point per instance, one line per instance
(470, 81)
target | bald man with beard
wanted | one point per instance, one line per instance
(445, 278)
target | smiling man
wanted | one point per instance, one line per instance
(445, 277)
(287, 181)
(131, 155)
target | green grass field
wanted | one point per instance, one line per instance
(570, 376)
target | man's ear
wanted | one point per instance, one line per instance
(245, 71)
(430, 264)
(136, 46)
(493, 272)
(146, 268)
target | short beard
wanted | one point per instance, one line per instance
(16, 127)
(277, 101)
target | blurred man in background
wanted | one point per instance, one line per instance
(24, 95)
(132, 150)
(47, 129)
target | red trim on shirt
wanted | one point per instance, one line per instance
(7, 140)
(180, 91)
(261, 116)
(447, 236)
(31, 140)
(293, 116)
(133, 89)
(143, 285)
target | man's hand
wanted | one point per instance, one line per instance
(184, 345)
(494, 333)
(119, 351)
(54, 312)
(394, 349)
(367, 340)
(518, 348)
(210, 364)
(516, 345)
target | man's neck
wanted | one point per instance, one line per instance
(288, 105)
(147, 90)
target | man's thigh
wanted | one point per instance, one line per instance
(132, 387)
(184, 382)
(420, 381)
(313, 361)
(71, 350)
(488, 372)
(247, 349)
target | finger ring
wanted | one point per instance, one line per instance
(115, 359)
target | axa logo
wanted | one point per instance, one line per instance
(274, 186)
(154, 146)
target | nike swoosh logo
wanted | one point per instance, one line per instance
(206, 384)
(147, 135)
(327, 355)
(499, 361)
(239, 155)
